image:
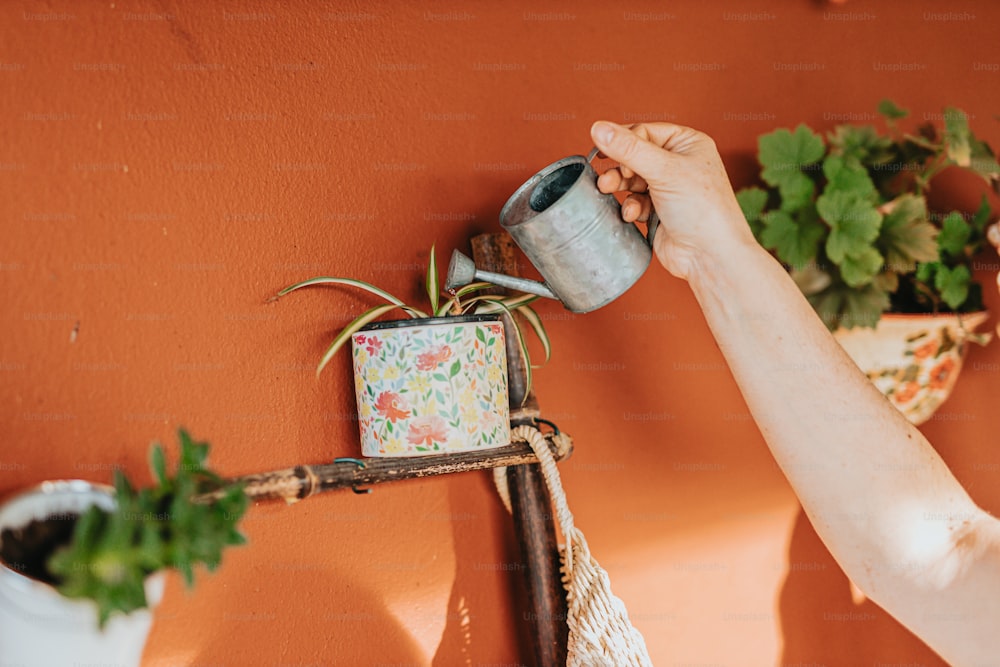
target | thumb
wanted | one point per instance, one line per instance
(628, 148)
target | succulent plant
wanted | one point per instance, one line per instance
(163, 526)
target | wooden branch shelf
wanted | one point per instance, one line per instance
(293, 484)
(544, 622)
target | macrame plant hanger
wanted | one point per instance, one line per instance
(600, 633)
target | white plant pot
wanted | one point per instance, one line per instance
(431, 386)
(914, 360)
(38, 626)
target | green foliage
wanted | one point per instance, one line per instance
(850, 213)
(794, 241)
(455, 303)
(889, 109)
(954, 236)
(907, 236)
(957, 137)
(163, 526)
(752, 202)
(953, 283)
(854, 224)
(784, 156)
(842, 306)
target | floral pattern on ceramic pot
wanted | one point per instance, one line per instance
(914, 360)
(431, 386)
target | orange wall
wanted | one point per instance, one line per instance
(166, 166)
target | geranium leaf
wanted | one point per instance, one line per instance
(796, 241)
(906, 236)
(854, 224)
(982, 216)
(848, 175)
(926, 270)
(860, 143)
(783, 156)
(796, 192)
(957, 136)
(982, 160)
(861, 269)
(841, 306)
(810, 279)
(953, 284)
(887, 281)
(752, 201)
(955, 233)
(889, 109)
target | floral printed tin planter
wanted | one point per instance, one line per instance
(431, 386)
(914, 360)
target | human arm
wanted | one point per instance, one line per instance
(883, 501)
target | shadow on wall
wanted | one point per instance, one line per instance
(460, 644)
(822, 625)
(260, 634)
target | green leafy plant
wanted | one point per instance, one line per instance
(848, 215)
(163, 526)
(463, 301)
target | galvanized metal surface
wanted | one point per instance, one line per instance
(575, 236)
(462, 271)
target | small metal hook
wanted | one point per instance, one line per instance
(361, 465)
(552, 425)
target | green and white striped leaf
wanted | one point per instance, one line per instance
(360, 284)
(432, 281)
(346, 333)
(532, 318)
(508, 302)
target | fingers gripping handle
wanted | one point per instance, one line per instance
(652, 225)
(654, 220)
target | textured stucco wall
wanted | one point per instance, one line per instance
(165, 167)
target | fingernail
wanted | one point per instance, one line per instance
(602, 133)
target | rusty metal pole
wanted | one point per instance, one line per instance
(534, 524)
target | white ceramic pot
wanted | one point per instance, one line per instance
(431, 386)
(38, 626)
(914, 360)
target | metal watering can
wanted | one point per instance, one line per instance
(573, 234)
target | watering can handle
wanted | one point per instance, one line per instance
(654, 220)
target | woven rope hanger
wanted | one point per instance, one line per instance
(600, 633)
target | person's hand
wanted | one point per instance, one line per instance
(680, 170)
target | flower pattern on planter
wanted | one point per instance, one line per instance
(916, 368)
(920, 385)
(391, 405)
(431, 388)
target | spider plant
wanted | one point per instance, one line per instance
(467, 300)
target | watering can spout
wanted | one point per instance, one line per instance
(462, 271)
